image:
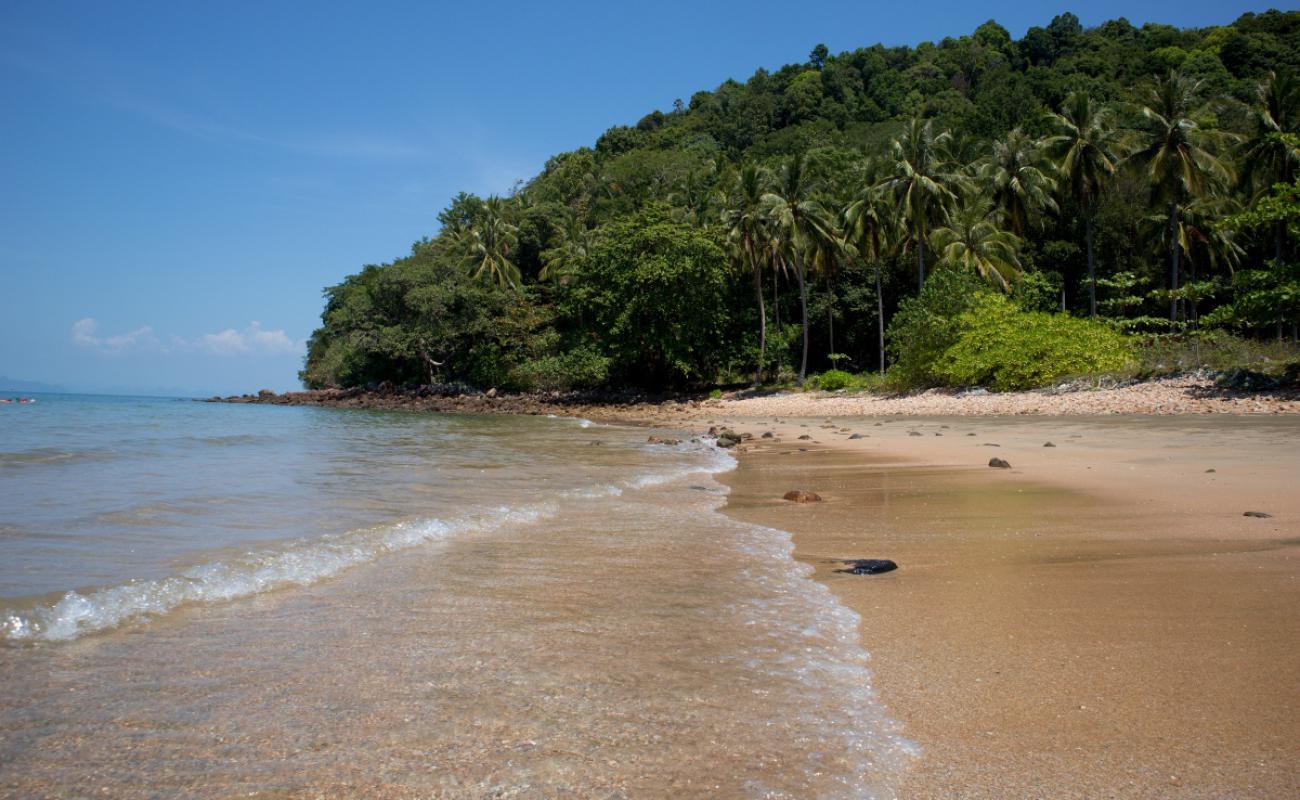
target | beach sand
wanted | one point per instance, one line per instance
(1100, 620)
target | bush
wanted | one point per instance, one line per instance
(579, 368)
(927, 325)
(1004, 348)
(831, 380)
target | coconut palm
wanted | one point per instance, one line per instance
(746, 221)
(488, 242)
(1013, 176)
(1176, 156)
(869, 229)
(798, 223)
(1085, 143)
(1266, 158)
(922, 182)
(574, 240)
(971, 238)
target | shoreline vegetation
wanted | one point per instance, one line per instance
(979, 211)
(1197, 393)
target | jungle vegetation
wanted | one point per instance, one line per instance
(975, 211)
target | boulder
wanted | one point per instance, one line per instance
(868, 566)
(767, 435)
(805, 437)
(857, 436)
(802, 496)
(999, 463)
(1260, 514)
(1048, 444)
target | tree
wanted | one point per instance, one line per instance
(971, 239)
(488, 244)
(921, 182)
(869, 228)
(560, 261)
(1270, 155)
(656, 289)
(746, 221)
(1085, 144)
(1176, 157)
(1018, 187)
(799, 221)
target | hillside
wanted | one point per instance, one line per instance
(1102, 193)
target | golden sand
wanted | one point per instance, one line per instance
(1100, 620)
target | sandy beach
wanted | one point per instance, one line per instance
(1099, 620)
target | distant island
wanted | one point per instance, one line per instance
(982, 211)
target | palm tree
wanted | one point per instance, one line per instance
(575, 239)
(1015, 182)
(1086, 145)
(869, 228)
(746, 221)
(1176, 156)
(971, 238)
(798, 222)
(1266, 158)
(488, 243)
(921, 182)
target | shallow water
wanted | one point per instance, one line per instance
(394, 605)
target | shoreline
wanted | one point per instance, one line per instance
(1184, 394)
(1099, 620)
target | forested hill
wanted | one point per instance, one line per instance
(980, 210)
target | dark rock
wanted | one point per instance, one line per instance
(1211, 470)
(802, 496)
(1260, 514)
(990, 444)
(857, 436)
(1048, 444)
(970, 434)
(767, 435)
(913, 433)
(999, 463)
(868, 566)
(597, 444)
(805, 436)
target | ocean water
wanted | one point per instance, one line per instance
(215, 600)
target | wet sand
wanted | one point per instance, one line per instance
(1098, 621)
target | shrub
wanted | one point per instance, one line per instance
(1004, 348)
(579, 368)
(831, 380)
(927, 325)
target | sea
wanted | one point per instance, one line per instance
(215, 600)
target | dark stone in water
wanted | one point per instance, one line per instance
(857, 436)
(1260, 514)
(999, 463)
(1048, 444)
(868, 566)
(805, 436)
(767, 435)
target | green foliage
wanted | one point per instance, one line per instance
(928, 324)
(656, 256)
(657, 290)
(831, 380)
(1005, 348)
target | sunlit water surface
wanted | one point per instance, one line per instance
(213, 600)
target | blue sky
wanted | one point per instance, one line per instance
(178, 181)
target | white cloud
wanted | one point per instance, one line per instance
(84, 334)
(252, 340)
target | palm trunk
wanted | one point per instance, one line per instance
(762, 323)
(920, 259)
(1279, 231)
(880, 320)
(1092, 271)
(830, 316)
(1174, 251)
(803, 305)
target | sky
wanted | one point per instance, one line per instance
(179, 181)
